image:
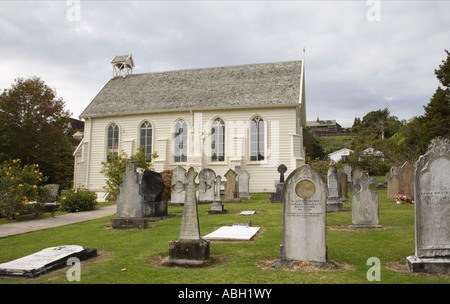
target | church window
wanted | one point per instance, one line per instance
(218, 140)
(257, 152)
(180, 141)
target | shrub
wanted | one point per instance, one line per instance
(114, 169)
(18, 186)
(77, 200)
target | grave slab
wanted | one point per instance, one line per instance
(233, 233)
(45, 260)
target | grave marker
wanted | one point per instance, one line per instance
(178, 180)
(304, 218)
(365, 203)
(206, 186)
(432, 210)
(231, 188)
(333, 202)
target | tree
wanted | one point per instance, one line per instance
(32, 127)
(436, 120)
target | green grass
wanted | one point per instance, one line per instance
(139, 252)
(334, 143)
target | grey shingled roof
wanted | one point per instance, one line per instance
(267, 84)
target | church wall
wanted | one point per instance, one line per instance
(283, 144)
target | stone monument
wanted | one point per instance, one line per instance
(277, 197)
(189, 249)
(342, 186)
(392, 180)
(348, 171)
(243, 179)
(206, 186)
(334, 204)
(365, 203)
(432, 210)
(178, 180)
(217, 205)
(152, 189)
(231, 188)
(406, 180)
(304, 218)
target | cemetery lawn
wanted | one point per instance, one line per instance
(135, 256)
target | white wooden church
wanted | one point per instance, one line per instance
(250, 116)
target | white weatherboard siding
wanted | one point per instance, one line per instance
(283, 144)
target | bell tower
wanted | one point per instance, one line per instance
(122, 65)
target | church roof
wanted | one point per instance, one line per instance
(266, 84)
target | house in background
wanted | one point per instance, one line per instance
(250, 116)
(320, 128)
(340, 155)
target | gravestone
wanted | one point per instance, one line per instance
(130, 201)
(342, 185)
(304, 218)
(356, 173)
(334, 204)
(152, 188)
(217, 205)
(139, 199)
(178, 180)
(277, 197)
(406, 180)
(365, 203)
(189, 249)
(206, 186)
(348, 171)
(231, 188)
(392, 180)
(432, 210)
(45, 260)
(243, 179)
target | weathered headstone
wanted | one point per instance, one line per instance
(432, 210)
(217, 205)
(342, 185)
(130, 201)
(189, 248)
(304, 218)
(243, 179)
(206, 186)
(152, 189)
(333, 202)
(348, 171)
(178, 180)
(231, 188)
(365, 203)
(139, 200)
(406, 180)
(45, 260)
(356, 173)
(392, 180)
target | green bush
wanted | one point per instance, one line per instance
(18, 186)
(77, 200)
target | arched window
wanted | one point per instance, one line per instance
(218, 140)
(113, 141)
(146, 139)
(180, 141)
(257, 152)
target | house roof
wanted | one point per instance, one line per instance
(266, 84)
(316, 123)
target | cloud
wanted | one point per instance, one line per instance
(353, 66)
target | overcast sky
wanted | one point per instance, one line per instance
(361, 56)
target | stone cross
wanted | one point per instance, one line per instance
(178, 193)
(189, 224)
(282, 169)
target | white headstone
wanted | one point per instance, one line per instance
(178, 193)
(365, 203)
(304, 216)
(432, 210)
